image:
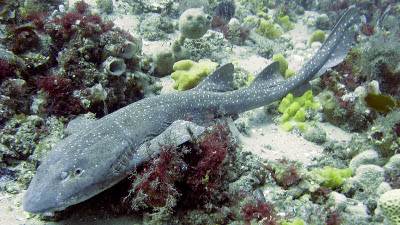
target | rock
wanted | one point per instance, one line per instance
(366, 157)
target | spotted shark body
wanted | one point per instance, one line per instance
(100, 153)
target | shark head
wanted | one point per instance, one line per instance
(75, 170)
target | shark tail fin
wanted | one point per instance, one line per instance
(332, 52)
(338, 43)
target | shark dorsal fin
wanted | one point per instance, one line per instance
(269, 74)
(219, 81)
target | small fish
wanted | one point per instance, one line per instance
(100, 153)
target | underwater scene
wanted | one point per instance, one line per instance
(199, 112)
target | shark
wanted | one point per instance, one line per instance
(99, 153)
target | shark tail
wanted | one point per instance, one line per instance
(269, 86)
(332, 52)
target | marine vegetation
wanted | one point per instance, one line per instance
(333, 177)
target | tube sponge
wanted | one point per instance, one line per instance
(189, 73)
(389, 203)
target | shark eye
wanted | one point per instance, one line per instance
(63, 175)
(78, 171)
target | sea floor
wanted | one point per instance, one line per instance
(266, 139)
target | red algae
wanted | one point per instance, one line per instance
(6, 70)
(259, 211)
(60, 90)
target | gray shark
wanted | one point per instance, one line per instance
(100, 153)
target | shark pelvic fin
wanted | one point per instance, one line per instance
(270, 73)
(220, 81)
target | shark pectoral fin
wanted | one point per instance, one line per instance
(80, 123)
(221, 80)
(177, 133)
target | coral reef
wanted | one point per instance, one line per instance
(105, 6)
(283, 64)
(154, 27)
(285, 22)
(285, 173)
(366, 157)
(87, 50)
(384, 133)
(296, 221)
(390, 205)
(59, 60)
(392, 171)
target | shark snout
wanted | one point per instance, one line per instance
(39, 200)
